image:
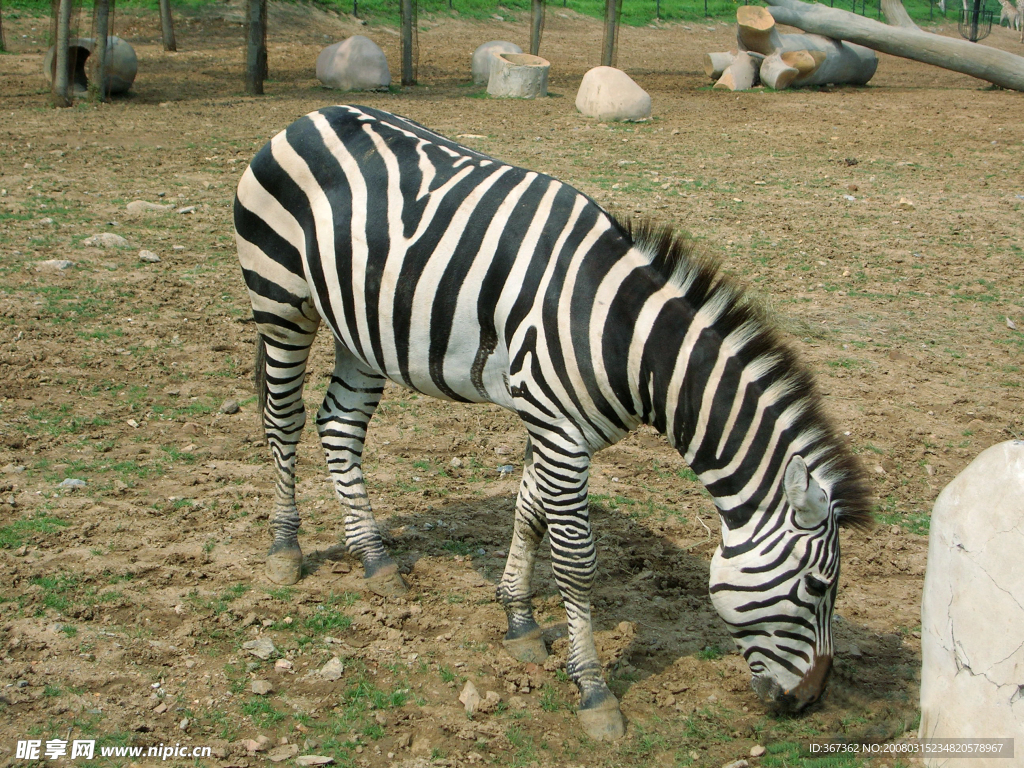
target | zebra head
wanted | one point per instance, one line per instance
(776, 589)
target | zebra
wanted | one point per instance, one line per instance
(462, 277)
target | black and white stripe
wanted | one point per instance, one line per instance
(468, 279)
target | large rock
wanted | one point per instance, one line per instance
(122, 64)
(972, 611)
(483, 56)
(518, 76)
(355, 64)
(610, 94)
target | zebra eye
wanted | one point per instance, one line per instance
(815, 586)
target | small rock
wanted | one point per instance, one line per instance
(230, 407)
(178, 248)
(490, 702)
(757, 750)
(1011, 325)
(21, 551)
(403, 741)
(261, 648)
(262, 687)
(277, 754)
(283, 665)
(186, 209)
(250, 618)
(148, 257)
(470, 698)
(332, 670)
(905, 204)
(314, 760)
(456, 462)
(21, 684)
(895, 530)
(503, 450)
(252, 746)
(610, 94)
(183, 725)
(741, 763)
(72, 483)
(106, 240)
(143, 206)
(506, 469)
(58, 264)
(160, 708)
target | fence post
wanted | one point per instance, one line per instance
(408, 78)
(256, 46)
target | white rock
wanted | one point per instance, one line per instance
(355, 64)
(972, 609)
(106, 240)
(261, 648)
(60, 264)
(332, 670)
(610, 94)
(144, 206)
(148, 256)
(470, 697)
(483, 55)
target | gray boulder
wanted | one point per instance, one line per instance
(355, 64)
(610, 94)
(972, 608)
(483, 55)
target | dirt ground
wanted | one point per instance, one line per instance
(126, 604)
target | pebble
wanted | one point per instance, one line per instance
(183, 725)
(106, 240)
(757, 750)
(456, 462)
(905, 204)
(187, 209)
(148, 256)
(262, 687)
(332, 670)
(506, 469)
(741, 763)
(72, 483)
(261, 648)
(60, 264)
(230, 406)
(143, 206)
(314, 760)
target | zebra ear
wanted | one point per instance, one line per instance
(809, 502)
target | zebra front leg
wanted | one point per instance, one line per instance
(523, 639)
(574, 563)
(280, 374)
(350, 402)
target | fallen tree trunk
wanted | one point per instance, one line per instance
(741, 75)
(896, 15)
(995, 66)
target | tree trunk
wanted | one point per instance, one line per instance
(167, 26)
(408, 76)
(537, 27)
(896, 15)
(740, 75)
(256, 46)
(61, 80)
(3, 45)
(101, 16)
(715, 64)
(611, 32)
(995, 66)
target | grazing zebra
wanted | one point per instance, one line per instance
(462, 277)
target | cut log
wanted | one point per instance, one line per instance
(842, 63)
(518, 76)
(776, 73)
(716, 63)
(999, 67)
(741, 75)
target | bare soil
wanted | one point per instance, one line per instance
(124, 604)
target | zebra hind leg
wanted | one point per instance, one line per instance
(523, 639)
(350, 402)
(280, 374)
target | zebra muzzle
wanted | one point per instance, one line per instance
(804, 693)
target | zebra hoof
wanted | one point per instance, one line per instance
(285, 566)
(603, 722)
(386, 581)
(528, 648)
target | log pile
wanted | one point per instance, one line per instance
(766, 56)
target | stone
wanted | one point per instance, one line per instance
(144, 206)
(262, 687)
(72, 483)
(59, 264)
(106, 240)
(470, 697)
(610, 94)
(483, 57)
(355, 64)
(230, 407)
(972, 607)
(283, 752)
(332, 670)
(314, 760)
(261, 648)
(148, 257)
(757, 750)
(122, 64)
(518, 76)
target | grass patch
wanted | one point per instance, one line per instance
(19, 532)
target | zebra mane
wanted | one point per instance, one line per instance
(699, 277)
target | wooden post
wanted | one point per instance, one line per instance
(3, 46)
(167, 25)
(537, 28)
(611, 31)
(256, 46)
(101, 17)
(61, 81)
(408, 75)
